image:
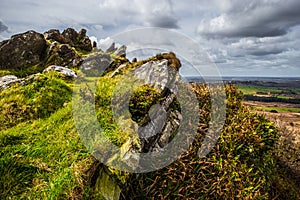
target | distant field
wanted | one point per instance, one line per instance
(277, 109)
(251, 90)
(277, 94)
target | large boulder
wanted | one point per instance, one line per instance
(22, 50)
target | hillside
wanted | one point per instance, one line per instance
(57, 89)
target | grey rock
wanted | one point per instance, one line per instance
(111, 48)
(96, 64)
(54, 35)
(62, 55)
(63, 70)
(8, 80)
(121, 51)
(22, 50)
(158, 74)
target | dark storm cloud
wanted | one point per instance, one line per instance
(3, 27)
(254, 18)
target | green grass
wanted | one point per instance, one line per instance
(282, 97)
(251, 90)
(20, 73)
(44, 96)
(43, 160)
(278, 109)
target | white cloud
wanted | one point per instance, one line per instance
(105, 43)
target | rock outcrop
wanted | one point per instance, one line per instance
(22, 50)
(156, 125)
(28, 49)
(69, 36)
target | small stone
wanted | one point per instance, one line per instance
(63, 70)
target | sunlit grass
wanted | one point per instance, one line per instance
(44, 159)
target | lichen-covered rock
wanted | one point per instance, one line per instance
(22, 50)
(121, 51)
(63, 70)
(96, 64)
(62, 55)
(156, 133)
(71, 37)
(54, 35)
(8, 80)
(78, 40)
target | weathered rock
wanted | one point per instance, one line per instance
(121, 51)
(62, 55)
(54, 35)
(85, 44)
(111, 48)
(158, 74)
(63, 70)
(162, 120)
(106, 186)
(10, 80)
(95, 64)
(94, 44)
(78, 40)
(71, 37)
(134, 60)
(22, 50)
(156, 133)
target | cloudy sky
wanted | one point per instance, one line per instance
(244, 38)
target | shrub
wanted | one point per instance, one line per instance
(239, 166)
